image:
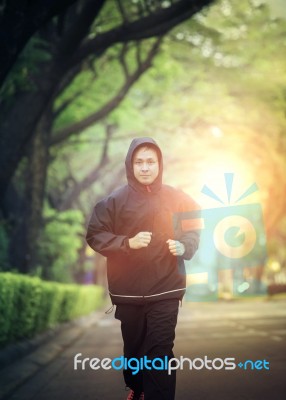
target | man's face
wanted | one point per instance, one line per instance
(145, 165)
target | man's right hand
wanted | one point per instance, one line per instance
(142, 239)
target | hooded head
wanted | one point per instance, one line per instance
(137, 144)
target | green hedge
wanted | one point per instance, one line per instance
(29, 305)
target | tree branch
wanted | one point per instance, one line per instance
(122, 11)
(71, 99)
(72, 194)
(138, 53)
(123, 60)
(19, 21)
(155, 24)
(65, 133)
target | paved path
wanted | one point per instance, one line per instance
(250, 330)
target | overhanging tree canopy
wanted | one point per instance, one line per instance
(74, 46)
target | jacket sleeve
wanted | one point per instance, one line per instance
(100, 236)
(188, 226)
(191, 242)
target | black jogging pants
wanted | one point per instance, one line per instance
(149, 330)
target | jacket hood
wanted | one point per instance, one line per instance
(132, 181)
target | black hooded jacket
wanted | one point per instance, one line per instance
(151, 273)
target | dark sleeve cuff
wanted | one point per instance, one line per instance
(126, 243)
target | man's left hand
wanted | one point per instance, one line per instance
(176, 248)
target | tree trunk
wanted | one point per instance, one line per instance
(25, 257)
(38, 166)
(19, 21)
(18, 125)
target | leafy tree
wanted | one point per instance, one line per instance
(88, 32)
(60, 54)
(59, 244)
(209, 96)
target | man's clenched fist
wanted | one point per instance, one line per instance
(142, 239)
(176, 248)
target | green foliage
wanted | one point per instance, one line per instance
(4, 243)
(223, 70)
(60, 242)
(7, 295)
(231, 72)
(29, 305)
(26, 299)
(99, 82)
(52, 298)
(28, 62)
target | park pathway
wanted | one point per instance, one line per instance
(254, 330)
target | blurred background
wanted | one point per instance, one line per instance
(80, 81)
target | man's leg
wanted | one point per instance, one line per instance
(133, 328)
(159, 341)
